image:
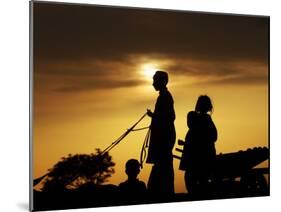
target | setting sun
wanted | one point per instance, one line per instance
(148, 70)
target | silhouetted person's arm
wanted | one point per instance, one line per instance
(164, 114)
(213, 133)
(149, 113)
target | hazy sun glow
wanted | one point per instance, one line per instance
(148, 70)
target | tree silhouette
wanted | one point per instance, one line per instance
(76, 170)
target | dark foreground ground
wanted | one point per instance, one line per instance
(109, 196)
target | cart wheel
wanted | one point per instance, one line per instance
(254, 184)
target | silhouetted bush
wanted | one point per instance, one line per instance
(76, 170)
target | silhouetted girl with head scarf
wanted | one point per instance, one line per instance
(199, 149)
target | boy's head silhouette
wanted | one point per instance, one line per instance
(160, 80)
(204, 104)
(132, 168)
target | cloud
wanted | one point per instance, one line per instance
(89, 75)
(86, 67)
(214, 71)
(94, 85)
(79, 48)
(69, 32)
(242, 79)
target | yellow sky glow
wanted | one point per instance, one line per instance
(79, 122)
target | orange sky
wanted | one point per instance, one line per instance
(88, 90)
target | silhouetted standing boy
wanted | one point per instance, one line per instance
(162, 139)
(133, 188)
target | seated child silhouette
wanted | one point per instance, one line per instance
(132, 188)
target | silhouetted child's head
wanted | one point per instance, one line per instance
(204, 104)
(160, 80)
(132, 168)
